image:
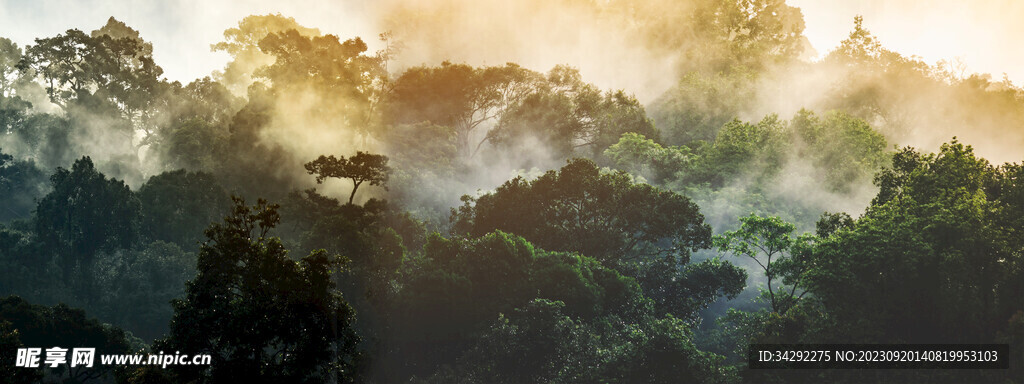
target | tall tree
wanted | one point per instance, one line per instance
(570, 116)
(461, 285)
(10, 56)
(639, 230)
(458, 96)
(177, 205)
(344, 78)
(605, 215)
(112, 62)
(84, 214)
(769, 241)
(243, 44)
(261, 315)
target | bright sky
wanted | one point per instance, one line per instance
(981, 33)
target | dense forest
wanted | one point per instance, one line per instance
(317, 211)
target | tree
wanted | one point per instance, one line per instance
(764, 238)
(113, 63)
(699, 105)
(580, 208)
(360, 234)
(744, 149)
(21, 183)
(261, 315)
(460, 286)
(63, 62)
(10, 56)
(243, 44)
(830, 223)
(128, 75)
(9, 344)
(35, 325)
(934, 258)
(539, 342)
(346, 80)
(139, 284)
(639, 230)
(360, 168)
(84, 214)
(105, 82)
(714, 36)
(569, 115)
(457, 96)
(642, 156)
(845, 148)
(177, 204)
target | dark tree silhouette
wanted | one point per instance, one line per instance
(363, 167)
(86, 213)
(261, 315)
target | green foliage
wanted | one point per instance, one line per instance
(791, 169)
(10, 56)
(43, 137)
(461, 285)
(536, 343)
(193, 131)
(926, 249)
(579, 275)
(325, 66)
(260, 314)
(845, 148)
(639, 230)
(422, 147)
(13, 111)
(644, 157)
(699, 105)
(714, 35)
(374, 238)
(920, 266)
(567, 115)
(830, 223)
(744, 150)
(579, 208)
(246, 154)
(558, 109)
(539, 343)
(764, 238)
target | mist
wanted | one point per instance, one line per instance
(444, 187)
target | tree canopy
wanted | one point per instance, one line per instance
(260, 314)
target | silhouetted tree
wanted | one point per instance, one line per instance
(363, 167)
(261, 315)
(84, 214)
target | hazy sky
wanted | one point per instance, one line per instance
(982, 33)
